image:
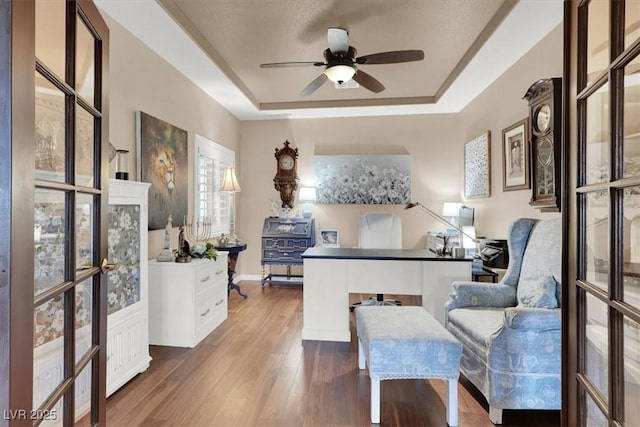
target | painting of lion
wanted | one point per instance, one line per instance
(163, 163)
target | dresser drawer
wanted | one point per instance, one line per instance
(282, 243)
(211, 310)
(207, 277)
(287, 256)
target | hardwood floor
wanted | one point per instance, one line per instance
(254, 370)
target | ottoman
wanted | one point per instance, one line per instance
(407, 342)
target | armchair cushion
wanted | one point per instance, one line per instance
(539, 293)
(539, 319)
(479, 294)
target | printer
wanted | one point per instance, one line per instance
(495, 253)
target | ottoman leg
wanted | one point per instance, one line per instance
(375, 400)
(452, 402)
(361, 361)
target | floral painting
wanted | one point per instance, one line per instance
(363, 179)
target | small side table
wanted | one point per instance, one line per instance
(234, 250)
(478, 275)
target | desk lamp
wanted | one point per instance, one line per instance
(441, 219)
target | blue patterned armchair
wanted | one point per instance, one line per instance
(510, 331)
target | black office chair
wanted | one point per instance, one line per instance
(379, 230)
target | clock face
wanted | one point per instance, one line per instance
(286, 162)
(543, 118)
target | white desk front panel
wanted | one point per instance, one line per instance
(330, 277)
(384, 277)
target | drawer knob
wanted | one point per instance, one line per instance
(219, 272)
(205, 313)
(220, 302)
(205, 279)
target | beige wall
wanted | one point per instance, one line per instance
(496, 108)
(140, 80)
(435, 143)
(432, 141)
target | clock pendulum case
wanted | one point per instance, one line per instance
(545, 134)
(286, 177)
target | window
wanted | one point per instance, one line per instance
(210, 203)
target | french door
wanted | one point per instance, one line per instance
(52, 212)
(606, 220)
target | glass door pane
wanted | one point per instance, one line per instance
(631, 115)
(597, 133)
(84, 147)
(85, 62)
(597, 351)
(631, 246)
(50, 35)
(597, 39)
(50, 131)
(631, 372)
(49, 237)
(596, 239)
(631, 22)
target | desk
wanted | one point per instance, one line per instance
(478, 275)
(330, 274)
(234, 250)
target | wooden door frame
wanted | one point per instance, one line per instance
(17, 184)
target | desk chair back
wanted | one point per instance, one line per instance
(380, 230)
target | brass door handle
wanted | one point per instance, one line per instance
(106, 266)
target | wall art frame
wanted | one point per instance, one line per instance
(330, 238)
(163, 161)
(515, 156)
(477, 167)
(363, 179)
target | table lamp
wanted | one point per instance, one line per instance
(307, 195)
(230, 185)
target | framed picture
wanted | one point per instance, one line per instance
(515, 156)
(162, 161)
(477, 162)
(330, 238)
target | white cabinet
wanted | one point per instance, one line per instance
(128, 290)
(187, 301)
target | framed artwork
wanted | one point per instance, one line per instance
(515, 156)
(163, 162)
(330, 238)
(383, 179)
(477, 162)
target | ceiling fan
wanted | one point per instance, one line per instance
(341, 63)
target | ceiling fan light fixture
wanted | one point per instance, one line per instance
(340, 73)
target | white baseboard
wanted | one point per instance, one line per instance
(241, 277)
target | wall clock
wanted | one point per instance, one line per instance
(286, 177)
(545, 133)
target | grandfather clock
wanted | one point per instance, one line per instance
(286, 177)
(545, 134)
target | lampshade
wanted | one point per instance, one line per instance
(340, 73)
(307, 194)
(451, 209)
(229, 181)
(468, 237)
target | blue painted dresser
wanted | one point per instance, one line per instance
(283, 242)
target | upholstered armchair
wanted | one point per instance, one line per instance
(510, 331)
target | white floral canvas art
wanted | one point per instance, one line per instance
(363, 179)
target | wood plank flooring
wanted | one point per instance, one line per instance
(254, 370)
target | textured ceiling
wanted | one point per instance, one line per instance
(242, 34)
(220, 44)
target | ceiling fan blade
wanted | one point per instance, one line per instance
(338, 39)
(314, 85)
(290, 64)
(367, 81)
(392, 57)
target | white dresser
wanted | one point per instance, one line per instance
(186, 301)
